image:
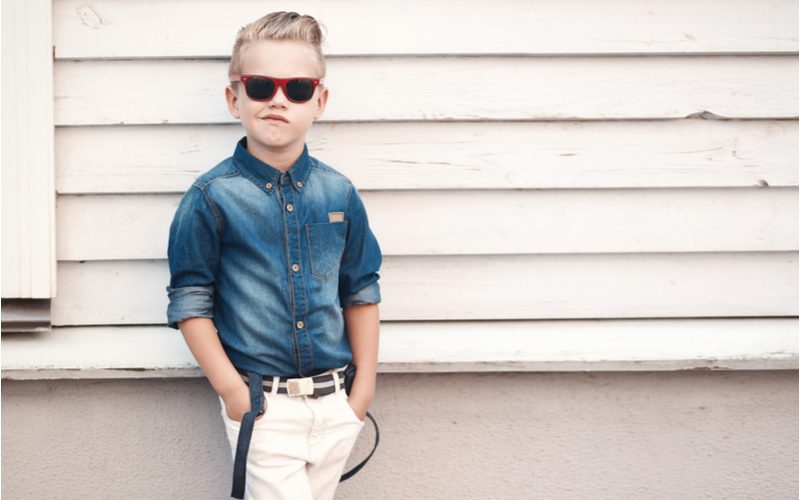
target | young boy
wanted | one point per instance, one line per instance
(274, 275)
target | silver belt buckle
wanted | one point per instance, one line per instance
(300, 386)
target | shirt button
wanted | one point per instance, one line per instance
(289, 207)
(295, 267)
(299, 324)
(299, 184)
(269, 185)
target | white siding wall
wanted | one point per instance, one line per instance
(626, 161)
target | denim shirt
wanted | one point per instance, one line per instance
(273, 258)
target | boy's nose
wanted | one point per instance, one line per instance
(279, 97)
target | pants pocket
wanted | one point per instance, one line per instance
(349, 409)
(236, 424)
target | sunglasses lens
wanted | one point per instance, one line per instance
(300, 89)
(260, 88)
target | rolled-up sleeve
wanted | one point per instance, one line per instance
(193, 254)
(361, 260)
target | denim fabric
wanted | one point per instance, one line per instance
(236, 237)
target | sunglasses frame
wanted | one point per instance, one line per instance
(279, 83)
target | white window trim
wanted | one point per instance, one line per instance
(28, 173)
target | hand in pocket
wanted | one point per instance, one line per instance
(238, 403)
(359, 412)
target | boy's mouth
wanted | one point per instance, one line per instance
(276, 118)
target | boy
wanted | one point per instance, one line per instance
(274, 275)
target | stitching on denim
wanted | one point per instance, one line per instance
(215, 211)
(307, 311)
(247, 175)
(352, 298)
(211, 181)
(292, 197)
(258, 183)
(311, 254)
(329, 171)
(350, 188)
(281, 200)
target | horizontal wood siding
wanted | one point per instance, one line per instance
(422, 155)
(202, 28)
(621, 160)
(453, 287)
(455, 88)
(500, 222)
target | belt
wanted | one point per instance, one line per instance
(319, 385)
(315, 386)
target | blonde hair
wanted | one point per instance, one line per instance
(279, 26)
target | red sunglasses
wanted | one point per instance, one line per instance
(262, 88)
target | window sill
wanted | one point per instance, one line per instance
(427, 347)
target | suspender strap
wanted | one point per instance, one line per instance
(254, 381)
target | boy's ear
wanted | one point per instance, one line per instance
(322, 100)
(232, 98)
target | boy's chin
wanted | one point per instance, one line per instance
(268, 142)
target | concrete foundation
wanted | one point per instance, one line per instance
(598, 435)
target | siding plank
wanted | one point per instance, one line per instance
(109, 227)
(490, 287)
(456, 88)
(113, 29)
(452, 155)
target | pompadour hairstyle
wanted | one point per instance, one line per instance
(280, 26)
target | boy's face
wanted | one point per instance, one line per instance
(278, 59)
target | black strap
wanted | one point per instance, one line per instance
(246, 432)
(349, 376)
(255, 384)
(352, 472)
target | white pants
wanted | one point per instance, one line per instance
(299, 446)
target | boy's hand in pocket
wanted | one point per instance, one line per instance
(237, 404)
(359, 407)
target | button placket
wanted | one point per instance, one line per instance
(296, 278)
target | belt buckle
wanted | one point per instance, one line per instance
(300, 386)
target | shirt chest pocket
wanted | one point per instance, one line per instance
(325, 247)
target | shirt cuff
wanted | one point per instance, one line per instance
(189, 302)
(370, 294)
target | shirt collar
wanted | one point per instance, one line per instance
(266, 176)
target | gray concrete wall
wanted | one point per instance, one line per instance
(646, 435)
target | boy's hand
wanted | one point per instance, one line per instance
(359, 407)
(237, 403)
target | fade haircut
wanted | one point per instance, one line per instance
(279, 26)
